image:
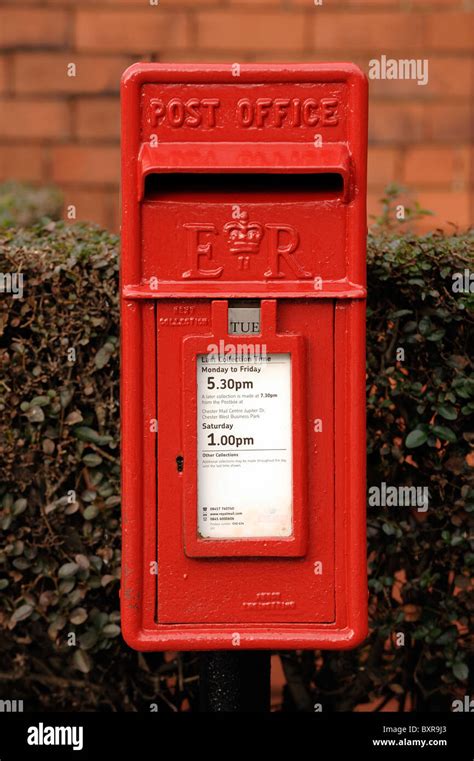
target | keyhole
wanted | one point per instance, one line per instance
(180, 463)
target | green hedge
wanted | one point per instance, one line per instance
(59, 485)
(24, 205)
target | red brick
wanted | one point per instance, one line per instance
(451, 4)
(98, 118)
(88, 165)
(257, 3)
(374, 207)
(47, 73)
(375, 198)
(449, 121)
(222, 56)
(21, 162)
(91, 205)
(343, 4)
(398, 88)
(399, 122)
(437, 165)
(375, 33)
(256, 31)
(35, 27)
(3, 75)
(450, 31)
(450, 77)
(382, 166)
(447, 207)
(130, 31)
(116, 213)
(30, 119)
(90, 3)
(167, 5)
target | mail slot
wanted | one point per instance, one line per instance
(243, 356)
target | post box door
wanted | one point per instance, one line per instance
(227, 582)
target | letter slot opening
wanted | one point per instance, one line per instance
(316, 186)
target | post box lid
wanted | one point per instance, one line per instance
(285, 120)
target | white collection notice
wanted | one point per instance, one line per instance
(244, 446)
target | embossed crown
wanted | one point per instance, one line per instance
(243, 237)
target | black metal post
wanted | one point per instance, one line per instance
(235, 681)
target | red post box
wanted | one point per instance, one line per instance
(243, 356)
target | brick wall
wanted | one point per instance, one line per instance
(59, 129)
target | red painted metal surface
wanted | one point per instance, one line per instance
(285, 146)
